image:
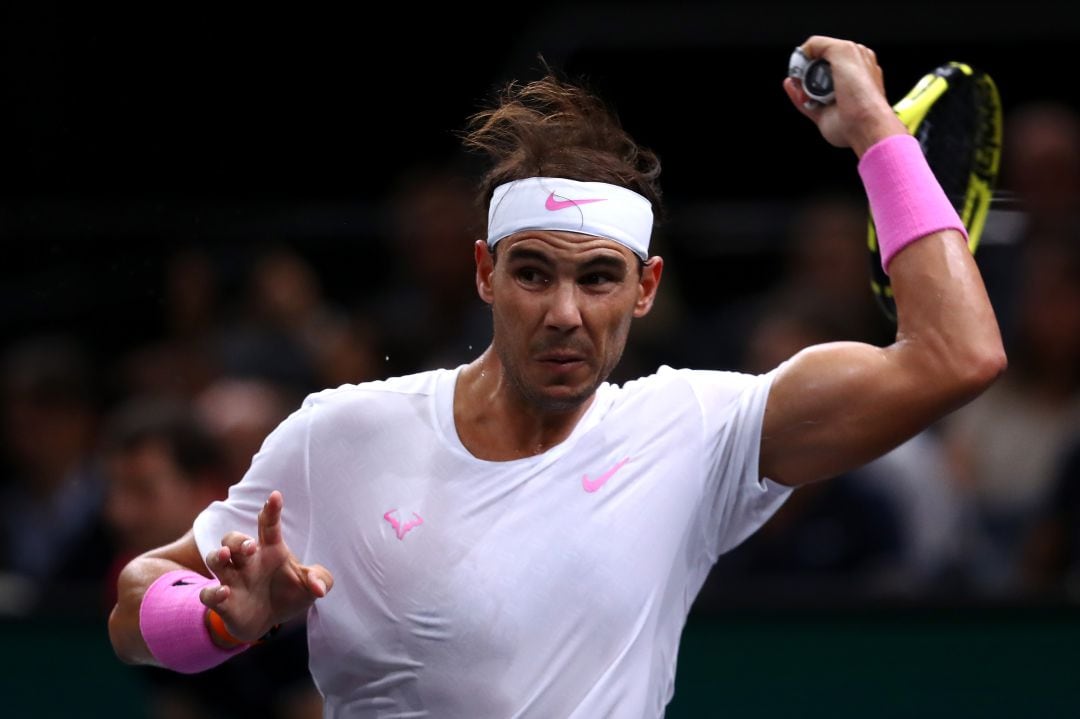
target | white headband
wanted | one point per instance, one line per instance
(553, 203)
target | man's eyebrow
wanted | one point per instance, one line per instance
(608, 262)
(524, 254)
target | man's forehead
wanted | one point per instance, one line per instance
(565, 246)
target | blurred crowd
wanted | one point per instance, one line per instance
(101, 463)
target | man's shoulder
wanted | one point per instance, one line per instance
(673, 392)
(667, 378)
(419, 384)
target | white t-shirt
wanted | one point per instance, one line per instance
(551, 586)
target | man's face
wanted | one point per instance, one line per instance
(562, 305)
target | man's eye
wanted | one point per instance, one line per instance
(530, 275)
(596, 279)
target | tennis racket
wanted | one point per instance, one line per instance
(955, 113)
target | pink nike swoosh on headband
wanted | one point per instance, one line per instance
(553, 205)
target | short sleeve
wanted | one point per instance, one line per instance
(737, 500)
(282, 464)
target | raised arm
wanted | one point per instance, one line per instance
(834, 407)
(259, 584)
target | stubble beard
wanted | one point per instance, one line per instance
(535, 397)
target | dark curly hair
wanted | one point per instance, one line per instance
(554, 128)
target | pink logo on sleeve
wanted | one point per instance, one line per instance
(592, 485)
(553, 205)
(402, 529)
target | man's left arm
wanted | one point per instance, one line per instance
(834, 407)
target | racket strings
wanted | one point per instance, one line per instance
(947, 137)
(961, 137)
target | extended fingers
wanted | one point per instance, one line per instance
(219, 560)
(270, 519)
(233, 553)
(240, 546)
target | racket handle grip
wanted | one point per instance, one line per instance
(816, 76)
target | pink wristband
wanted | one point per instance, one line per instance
(172, 620)
(906, 200)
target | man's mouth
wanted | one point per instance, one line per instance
(561, 357)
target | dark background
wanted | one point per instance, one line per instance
(130, 130)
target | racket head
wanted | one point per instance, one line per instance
(955, 113)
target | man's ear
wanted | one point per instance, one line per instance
(648, 285)
(485, 270)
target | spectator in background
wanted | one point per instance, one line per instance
(164, 465)
(239, 413)
(1040, 170)
(1042, 166)
(350, 352)
(185, 359)
(823, 256)
(51, 498)
(1007, 443)
(288, 332)
(1052, 551)
(431, 317)
(827, 260)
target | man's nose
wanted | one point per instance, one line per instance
(563, 310)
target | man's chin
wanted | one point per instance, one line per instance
(561, 398)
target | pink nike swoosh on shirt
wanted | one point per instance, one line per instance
(593, 485)
(553, 205)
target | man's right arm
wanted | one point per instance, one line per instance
(259, 584)
(137, 576)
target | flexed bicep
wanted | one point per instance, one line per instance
(834, 407)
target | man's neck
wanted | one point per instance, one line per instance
(496, 423)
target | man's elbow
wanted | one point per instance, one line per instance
(116, 637)
(125, 632)
(981, 368)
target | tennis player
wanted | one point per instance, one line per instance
(517, 537)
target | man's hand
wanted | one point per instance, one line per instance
(861, 114)
(262, 583)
